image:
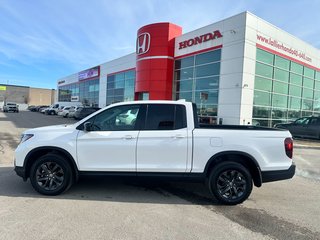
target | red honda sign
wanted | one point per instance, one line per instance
(200, 39)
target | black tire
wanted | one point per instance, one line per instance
(230, 183)
(51, 175)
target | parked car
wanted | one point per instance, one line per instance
(10, 107)
(308, 127)
(83, 112)
(31, 107)
(40, 108)
(43, 110)
(64, 112)
(165, 141)
(72, 111)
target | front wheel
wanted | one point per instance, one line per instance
(51, 175)
(230, 183)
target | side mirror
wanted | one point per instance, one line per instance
(87, 127)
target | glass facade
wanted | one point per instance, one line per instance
(86, 92)
(197, 80)
(120, 87)
(284, 90)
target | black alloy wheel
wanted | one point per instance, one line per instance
(51, 174)
(230, 183)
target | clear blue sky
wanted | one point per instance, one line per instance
(44, 40)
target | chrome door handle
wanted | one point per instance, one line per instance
(178, 136)
(128, 137)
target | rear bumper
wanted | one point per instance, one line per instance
(271, 176)
(21, 172)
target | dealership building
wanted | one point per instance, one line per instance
(241, 70)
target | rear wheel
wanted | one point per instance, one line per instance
(51, 175)
(230, 183)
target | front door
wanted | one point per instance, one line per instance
(110, 145)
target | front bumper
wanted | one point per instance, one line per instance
(21, 172)
(271, 176)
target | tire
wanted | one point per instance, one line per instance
(230, 183)
(51, 175)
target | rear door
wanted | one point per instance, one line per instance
(163, 142)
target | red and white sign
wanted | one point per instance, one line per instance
(89, 73)
(143, 43)
(200, 39)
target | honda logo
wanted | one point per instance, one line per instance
(143, 43)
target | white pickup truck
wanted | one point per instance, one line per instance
(162, 139)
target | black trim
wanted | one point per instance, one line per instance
(238, 127)
(21, 172)
(50, 148)
(277, 175)
(192, 177)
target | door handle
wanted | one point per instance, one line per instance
(128, 137)
(178, 136)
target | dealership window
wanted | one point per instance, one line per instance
(284, 90)
(120, 87)
(197, 80)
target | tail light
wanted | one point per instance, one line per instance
(288, 146)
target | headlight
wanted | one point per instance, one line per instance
(25, 137)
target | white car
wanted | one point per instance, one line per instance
(64, 112)
(165, 141)
(72, 111)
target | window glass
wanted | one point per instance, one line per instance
(281, 75)
(295, 79)
(317, 85)
(296, 68)
(308, 72)
(263, 83)
(208, 70)
(307, 104)
(262, 98)
(307, 93)
(209, 96)
(184, 74)
(212, 56)
(294, 103)
(307, 82)
(279, 113)
(184, 85)
(121, 118)
(184, 95)
(164, 117)
(185, 62)
(279, 87)
(207, 83)
(279, 101)
(295, 91)
(264, 70)
(282, 63)
(261, 112)
(265, 57)
(318, 75)
(129, 74)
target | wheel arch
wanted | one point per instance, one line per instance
(34, 154)
(240, 157)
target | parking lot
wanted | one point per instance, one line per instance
(104, 208)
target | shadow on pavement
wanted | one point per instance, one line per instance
(9, 139)
(114, 190)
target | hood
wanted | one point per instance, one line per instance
(55, 128)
